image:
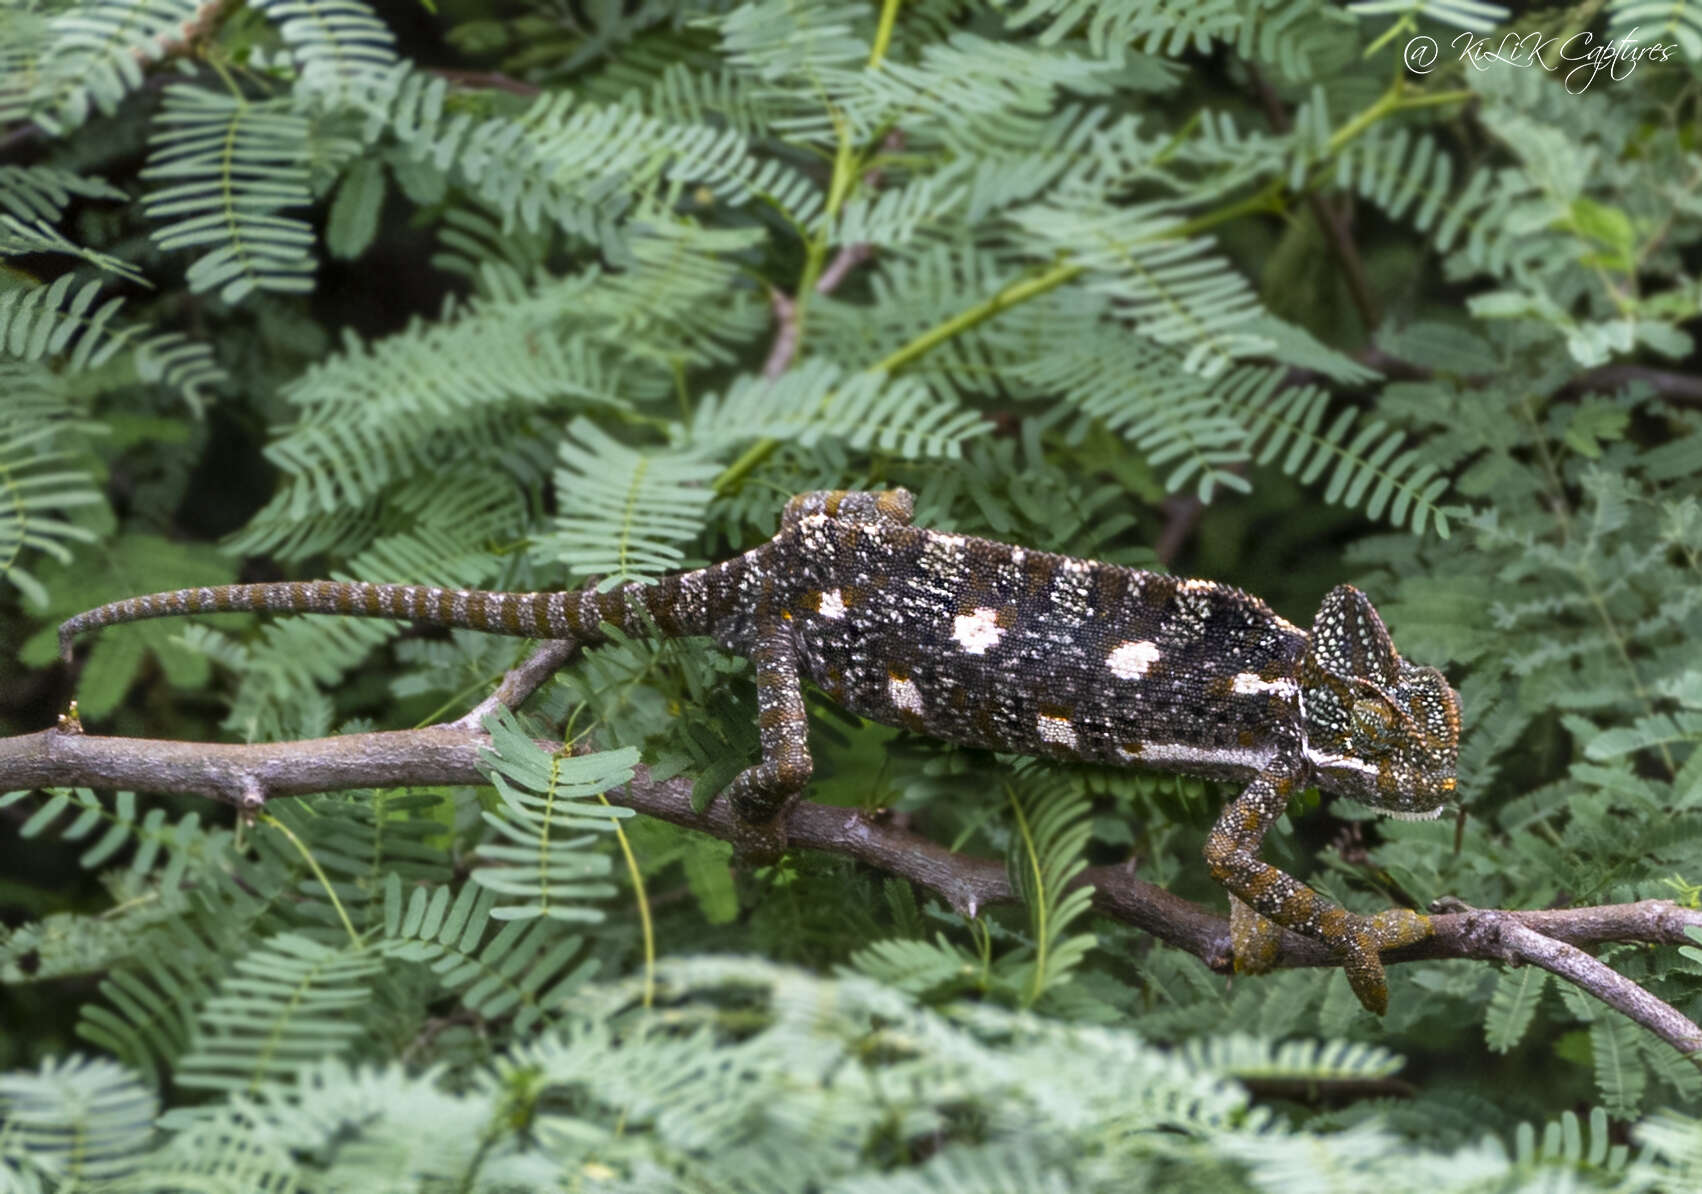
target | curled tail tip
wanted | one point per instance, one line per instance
(67, 635)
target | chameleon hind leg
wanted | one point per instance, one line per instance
(761, 793)
(1232, 854)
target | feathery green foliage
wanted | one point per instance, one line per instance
(533, 295)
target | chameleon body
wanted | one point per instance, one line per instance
(998, 646)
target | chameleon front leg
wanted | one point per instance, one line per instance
(760, 793)
(1232, 854)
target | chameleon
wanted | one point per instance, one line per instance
(993, 645)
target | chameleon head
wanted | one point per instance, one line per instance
(1379, 729)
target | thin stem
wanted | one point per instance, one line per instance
(313, 864)
(1038, 905)
(1011, 296)
(883, 32)
(644, 924)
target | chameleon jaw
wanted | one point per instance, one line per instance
(1414, 815)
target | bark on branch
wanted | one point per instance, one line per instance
(246, 776)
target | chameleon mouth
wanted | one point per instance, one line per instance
(1410, 815)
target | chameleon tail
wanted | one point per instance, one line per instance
(573, 614)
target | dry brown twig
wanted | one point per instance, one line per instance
(247, 776)
(849, 257)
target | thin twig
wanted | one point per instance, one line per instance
(1498, 932)
(237, 774)
(785, 335)
(847, 259)
(520, 682)
(1681, 387)
(1678, 387)
(484, 80)
(1332, 223)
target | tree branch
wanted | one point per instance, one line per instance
(246, 776)
(520, 682)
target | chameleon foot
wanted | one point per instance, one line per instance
(1360, 941)
(759, 844)
(1357, 940)
(1253, 940)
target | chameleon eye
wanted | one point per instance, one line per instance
(1373, 718)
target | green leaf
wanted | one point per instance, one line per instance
(708, 867)
(1593, 424)
(544, 858)
(1608, 226)
(353, 219)
(1514, 1002)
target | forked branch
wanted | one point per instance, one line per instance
(247, 776)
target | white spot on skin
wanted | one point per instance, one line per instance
(977, 632)
(1130, 660)
(1250, 683)
(1197, 586)
(1057, 730)
(1325, 761)
(1243, 762)
(905, 696)
(832, 605)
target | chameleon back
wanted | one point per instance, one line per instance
(997, 646)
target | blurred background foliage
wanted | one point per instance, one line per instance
(517, 295)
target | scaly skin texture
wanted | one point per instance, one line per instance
(998, 646)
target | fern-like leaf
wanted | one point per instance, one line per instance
(1658, 21)
(1369, 468)
(223, 167)
(1621, 1076)
(1167, 286)
(1474, 15)
(41, 321)
(816, 400)
(76, 1122)
(1512, 1006)
(341, 47)
(933, 968)
(147, 1011)
(527, 969)
(1237, 1055)
(1052, 828)
(1141, 392)
(36, 486)
(625, 510)
(290, 1001)
(542, 852)
(91, 57)
(1573, 1140)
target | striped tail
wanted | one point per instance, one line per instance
(674, 603)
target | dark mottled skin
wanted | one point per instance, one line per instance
(1022, 651)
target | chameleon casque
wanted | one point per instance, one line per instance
(997, 646)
